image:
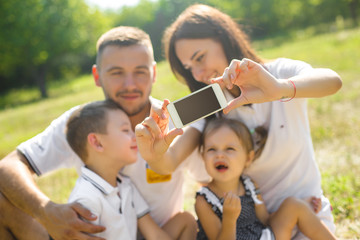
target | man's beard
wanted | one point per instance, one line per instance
(134, 111)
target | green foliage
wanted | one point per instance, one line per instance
(342, 191)
(42, 41)
(45, 36)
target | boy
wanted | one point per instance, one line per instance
(101, 134)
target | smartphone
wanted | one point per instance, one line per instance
(197, 105)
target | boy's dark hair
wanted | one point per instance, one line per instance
(122, 36)
(89, 118)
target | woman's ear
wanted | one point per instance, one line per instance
(94, 142)
(250, 158)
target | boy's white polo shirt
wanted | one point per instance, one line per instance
(50, 150)
(117, 208)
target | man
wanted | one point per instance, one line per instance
(125, 69)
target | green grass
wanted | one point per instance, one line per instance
(335, 120)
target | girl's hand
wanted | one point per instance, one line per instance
(153, 136)
(231, 206)
(257, 85)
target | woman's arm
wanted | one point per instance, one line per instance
(258, 85)
(319, 82)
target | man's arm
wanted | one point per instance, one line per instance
(60, 220)
(18, 185)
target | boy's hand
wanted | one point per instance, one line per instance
(153, 136)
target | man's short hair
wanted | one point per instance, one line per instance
(123, 36)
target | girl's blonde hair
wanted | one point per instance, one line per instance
(251, 140)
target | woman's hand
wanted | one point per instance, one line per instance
(153, 136)
(256, 84)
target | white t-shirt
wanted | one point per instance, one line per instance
(49, 151)
(116, 208)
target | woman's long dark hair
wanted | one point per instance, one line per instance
(199, 22)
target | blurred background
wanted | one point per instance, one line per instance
(43, 41)
(47, 48)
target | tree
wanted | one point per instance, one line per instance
(38, 36)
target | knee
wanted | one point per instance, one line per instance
(295, 204)
(187, 218)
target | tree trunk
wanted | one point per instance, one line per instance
(41, 80)
(353, 11)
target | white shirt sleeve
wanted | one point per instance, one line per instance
(286, 68)
(49, 150)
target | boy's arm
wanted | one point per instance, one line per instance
(164, 150)
(150, 230)
(19, 187)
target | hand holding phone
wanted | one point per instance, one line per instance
(197, 105)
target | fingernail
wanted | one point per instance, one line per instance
(232, 76)
(163, 116)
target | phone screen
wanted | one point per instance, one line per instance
(197, 105)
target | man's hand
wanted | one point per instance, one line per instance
(64, 221)
(314, 203)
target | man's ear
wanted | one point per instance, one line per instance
(95, 74)
(154, 72)
(250, 158)
(94, 142)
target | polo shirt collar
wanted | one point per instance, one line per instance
(98, 181)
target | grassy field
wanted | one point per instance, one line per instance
(335, 120)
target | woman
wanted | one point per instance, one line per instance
(199, 45)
